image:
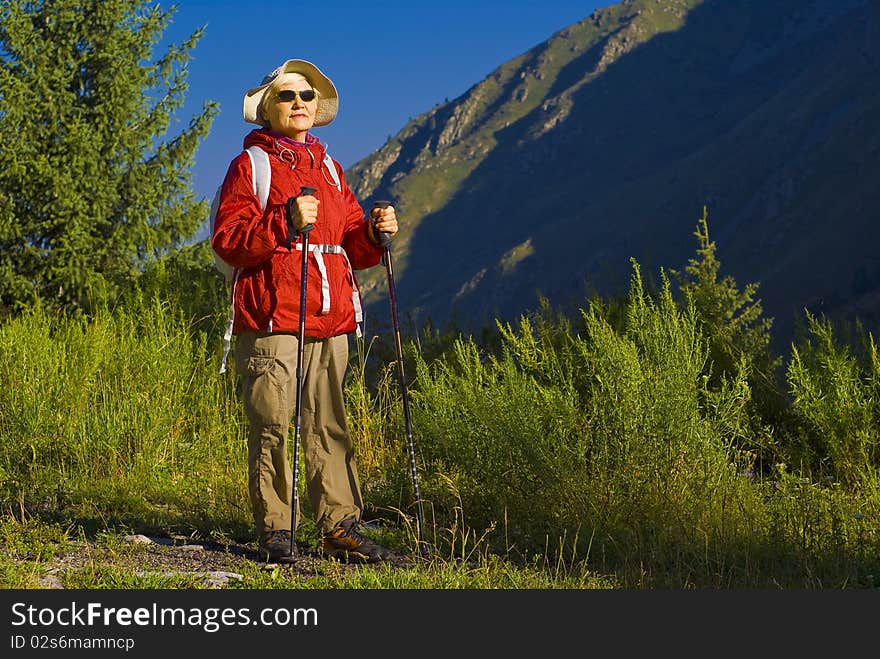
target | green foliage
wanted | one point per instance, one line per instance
(574, 447)
(128, 404)
(188, 280)
(612, 439)
(739, 341)
(596, 433)
(89, 191)
(739, 337)
(496, 442)
(836, 394)
(646, 384)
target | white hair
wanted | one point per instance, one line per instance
(291, 76)
(282, 79)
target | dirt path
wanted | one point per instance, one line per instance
(213, 563)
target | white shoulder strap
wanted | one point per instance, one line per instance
(262, 177)
(328, 161)
(262, 173)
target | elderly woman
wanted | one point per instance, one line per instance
(260, 240)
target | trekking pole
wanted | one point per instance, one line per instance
(304, 232)
(385, 241)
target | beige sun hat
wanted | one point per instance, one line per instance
(328, 98)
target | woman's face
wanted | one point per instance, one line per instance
(292, 118)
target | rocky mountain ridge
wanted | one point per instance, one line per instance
(605, 142)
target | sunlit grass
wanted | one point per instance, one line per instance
(593, 454)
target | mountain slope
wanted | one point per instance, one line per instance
(606, 141)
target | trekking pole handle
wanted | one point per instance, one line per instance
(303, 192)
(384, 238)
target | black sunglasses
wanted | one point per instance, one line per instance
(287, 95)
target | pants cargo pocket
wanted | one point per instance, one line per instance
(263, 390)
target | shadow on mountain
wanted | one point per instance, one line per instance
(768, 116)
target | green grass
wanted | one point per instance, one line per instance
(594, 452)
(36, 554)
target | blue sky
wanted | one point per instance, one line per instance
(390, 60)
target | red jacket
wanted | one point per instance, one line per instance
(266, 293)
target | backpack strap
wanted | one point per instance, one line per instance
(262, 173)
(261, 178)
(328, 162)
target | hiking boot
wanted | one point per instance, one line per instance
(346, 542)
(276, 545)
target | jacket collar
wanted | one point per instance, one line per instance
(285, 148)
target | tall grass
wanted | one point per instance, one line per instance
(836, 390)
(610, 440)
(614, 444)
(604, 441)
(126, 405)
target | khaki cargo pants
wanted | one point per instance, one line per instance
(267, 365)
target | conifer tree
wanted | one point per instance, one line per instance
(739, 336)
(92, 185)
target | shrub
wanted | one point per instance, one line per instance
(836, 400)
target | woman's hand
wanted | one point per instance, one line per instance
(304, 211)
(384, 220)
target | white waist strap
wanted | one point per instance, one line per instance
(317, 250)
